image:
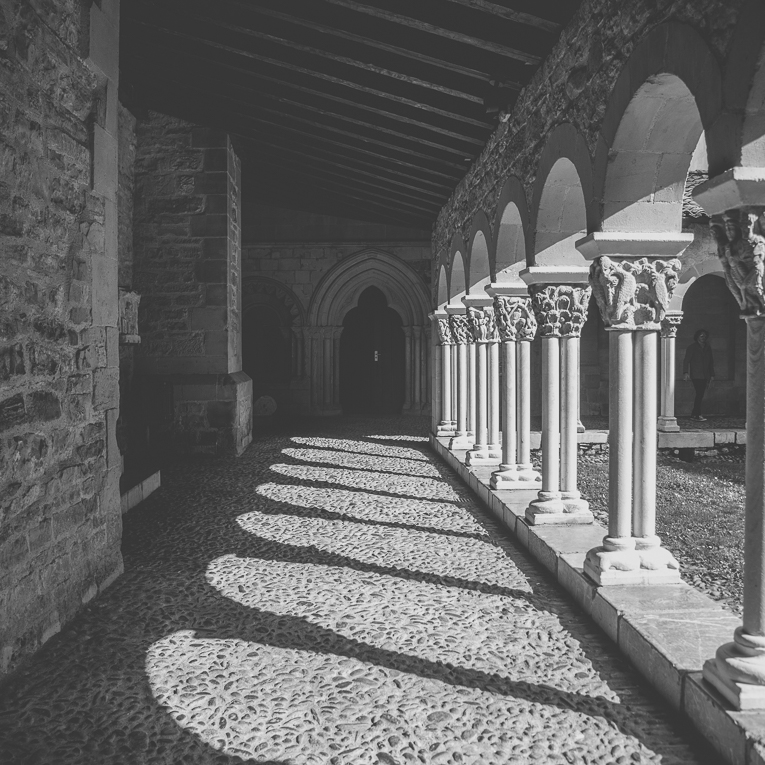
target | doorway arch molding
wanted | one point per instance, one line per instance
(335, 295)
(339, 289)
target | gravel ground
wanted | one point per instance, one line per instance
(699, 516)
(332, 597)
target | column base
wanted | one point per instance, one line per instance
(654, 557)
(738, 671)
(464, 441)
(667, 425)
(446, 429)
(555, 509)
(619, 562)
(482, 456)
(514, 477)
(580, 427)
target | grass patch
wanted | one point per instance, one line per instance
(699, 517)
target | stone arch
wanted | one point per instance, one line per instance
(258, 290)
(668, 92)
(739, 136)
(478, 267)
(442, 288)
(457, 277)
(563, 186)
(507, 256)
(340, 288)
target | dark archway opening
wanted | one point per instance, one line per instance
(266, 349)
(372, 357)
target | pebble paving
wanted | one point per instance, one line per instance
(332, 597)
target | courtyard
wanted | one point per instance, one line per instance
(334, 595)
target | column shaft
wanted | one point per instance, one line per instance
(550, 415)
(620, 435)
(472, 388)
(327, 371)
(407, 367)
(524, 405)
(336, 368)
(569, 415)
(446, 386)
(462, 397)
(493, 402)
(435, 386)
(417, 359)
(481, 426)
(510, 410)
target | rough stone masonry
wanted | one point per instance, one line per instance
(60, 523)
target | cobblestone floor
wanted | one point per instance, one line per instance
(333, 596)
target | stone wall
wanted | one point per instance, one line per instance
(60, 524)
(186, 261)
(573, 85)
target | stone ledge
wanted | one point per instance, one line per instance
(666, 631)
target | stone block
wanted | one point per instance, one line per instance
(725, 436)
(105, 388)
(687, 439)
(105, 165)
(543, 552)
(573, 580)
(606, 616)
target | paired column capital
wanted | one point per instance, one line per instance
(633, 275)
(670, 323)
(480, 315)
(461, 329)
(515, 318)
(560, 309)
(444, 329)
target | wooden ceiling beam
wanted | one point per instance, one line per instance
(449, 34)
(365, 65)
(511, 15)
(176, 63)
(329, 128)
(448, 66)
(335, 170)
(320, 75)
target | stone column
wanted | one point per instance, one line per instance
(495, 444)
(336, 334)
(417, 369)
(483, 326)
(738, 669)
(407, 368)
(462, 337)
(667, 420)
(472, 403)
(517, 327)
(447, 425)
(632, 293)
(327, 367)
(435, 377)
(561, 310)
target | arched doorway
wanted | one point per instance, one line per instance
(372, 357)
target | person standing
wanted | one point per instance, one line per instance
(698, 367)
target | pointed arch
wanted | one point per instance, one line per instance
(508, 253)
(340, 288)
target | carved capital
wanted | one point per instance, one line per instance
(461, 331)
(670, 323)
(740, 236)
(515, 318)
(483, 324)
(633, 294)
(445, 332)
(560, 310)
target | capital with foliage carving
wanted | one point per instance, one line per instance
(633, 294)
(740, 236)
(670, 323)
(515, 318)
(461, 331)
(483, 324)
(560, 310)
(445, 332)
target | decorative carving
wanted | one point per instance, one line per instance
(561, 310)
(128, 313)
(483, 324)
(740, 236)
(515, 318)
(670, 323)
(445, 332)
(633, 294)
(460, 327)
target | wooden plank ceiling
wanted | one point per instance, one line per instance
(371, 110)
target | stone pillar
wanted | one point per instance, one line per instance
(417, 369)
(188, 269)
(483, 326)
(447, 425)
(738, 669)
(463, 337)
(407, 368)
(632, 293)
(472, 404)
(435, 376)
(495, 444)
(560, 304)
(517, 327)
(336, 335)
(667, 420)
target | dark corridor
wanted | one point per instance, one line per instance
(372, 357)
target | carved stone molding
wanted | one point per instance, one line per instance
(483, 324)
(515, 318)
(461, 332)
(670, 323)
(740, 236)
(560, 310)
(445, 332)
(633, 294)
